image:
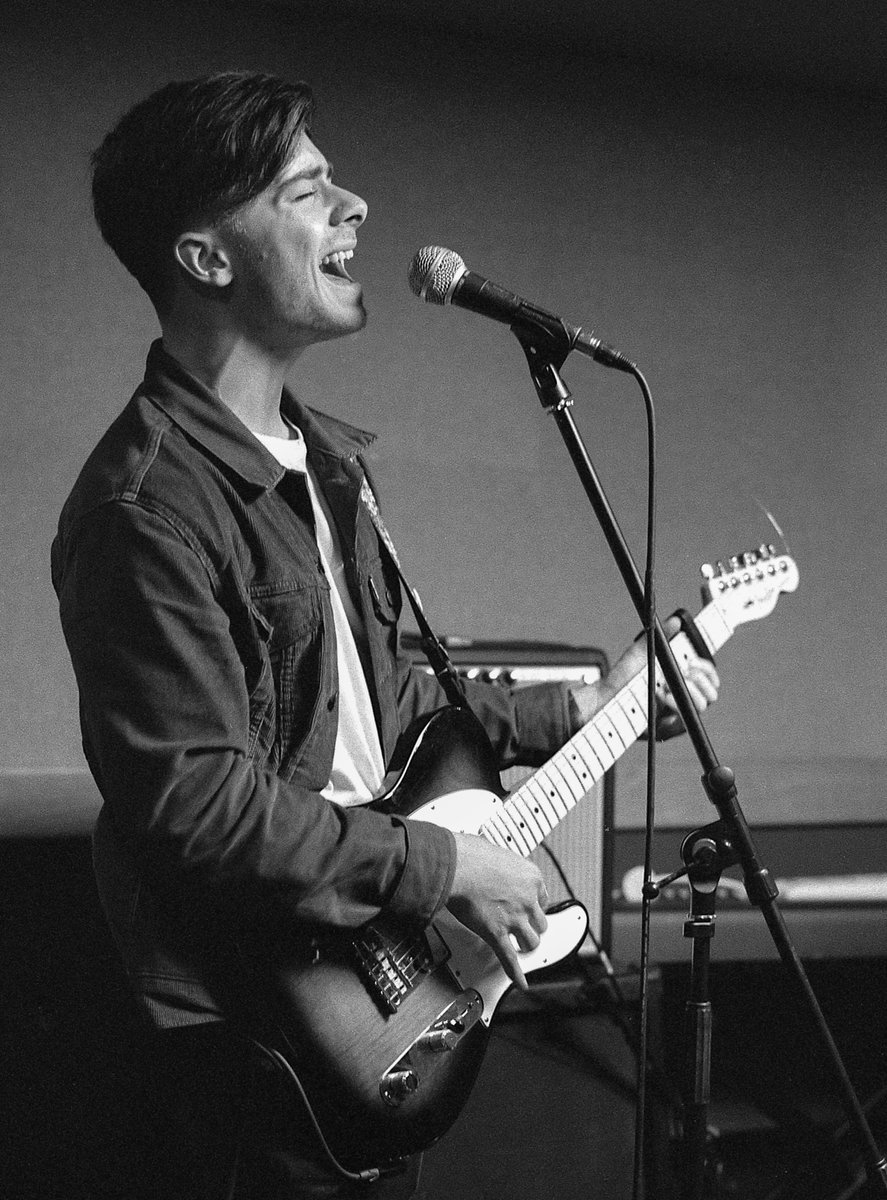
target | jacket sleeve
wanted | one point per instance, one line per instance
(525, 725)
(164, 703)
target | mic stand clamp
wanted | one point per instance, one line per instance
(546, 350)
(705, 853)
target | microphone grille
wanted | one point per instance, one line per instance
(434, 272)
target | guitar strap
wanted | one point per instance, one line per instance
(440, 661)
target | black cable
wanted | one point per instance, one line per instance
(649, 623)
(590, 934)
(279, 1060)
(669, 1096)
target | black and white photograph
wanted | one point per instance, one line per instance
(444, 706)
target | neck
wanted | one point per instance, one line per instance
(246, 377)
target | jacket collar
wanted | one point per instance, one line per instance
(203, 415)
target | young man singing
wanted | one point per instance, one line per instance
(232, 616)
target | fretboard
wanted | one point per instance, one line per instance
(532, 812)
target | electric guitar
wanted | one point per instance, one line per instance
(384, 1029)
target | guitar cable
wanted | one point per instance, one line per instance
(616, 1011)
(370, 1174)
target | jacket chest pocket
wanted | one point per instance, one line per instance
(294, 681)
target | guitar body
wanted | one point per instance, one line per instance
(386, 1029)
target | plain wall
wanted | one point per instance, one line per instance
(726, 230)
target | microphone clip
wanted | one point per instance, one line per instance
(545, 358)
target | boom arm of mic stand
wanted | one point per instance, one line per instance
(718, 781)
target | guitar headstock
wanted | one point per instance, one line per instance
(747, 587)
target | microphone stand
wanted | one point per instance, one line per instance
(726, 841)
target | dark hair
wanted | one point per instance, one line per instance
(195, 150)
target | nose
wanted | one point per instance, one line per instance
(349, 208)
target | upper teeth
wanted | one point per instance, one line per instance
(339, 257)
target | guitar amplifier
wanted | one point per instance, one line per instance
(576, 859)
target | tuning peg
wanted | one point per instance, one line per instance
(749, 558)
(722, 570)
(714, 576)
(765, 551)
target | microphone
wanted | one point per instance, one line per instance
(439, 276)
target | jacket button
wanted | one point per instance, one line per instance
(331, 703)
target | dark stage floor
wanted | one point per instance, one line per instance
(551, 1118)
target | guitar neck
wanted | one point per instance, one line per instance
(541, 803)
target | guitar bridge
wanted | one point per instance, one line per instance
(392, 969)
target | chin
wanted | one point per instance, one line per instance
(344, 328)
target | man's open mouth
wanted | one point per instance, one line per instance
(334, 264)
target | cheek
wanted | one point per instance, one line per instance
(291, 270)
(279, 276)
(283, 281)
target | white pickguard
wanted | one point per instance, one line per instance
(465, 811)
(472, 961)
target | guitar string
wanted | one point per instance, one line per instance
(621, 721)
(620, 724)
(523, 818)
(514, 827)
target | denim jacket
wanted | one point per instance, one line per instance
(197, 615)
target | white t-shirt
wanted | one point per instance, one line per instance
(358, 768)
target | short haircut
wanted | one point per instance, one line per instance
(193, 152)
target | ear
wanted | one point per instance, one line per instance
(204, 259)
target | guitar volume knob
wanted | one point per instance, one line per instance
(439, 1040)
(398, 1085)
